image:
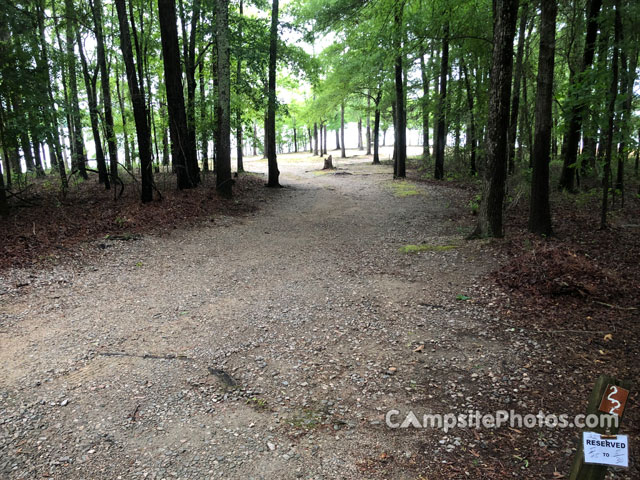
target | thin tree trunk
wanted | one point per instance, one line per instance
(315, 139)
(575, 110)
(204, 132)
(223, 145)
(426, 153)
(343, 152)
(90, 85)
(471, 131)
(376, 131)
(504, 26)
(127, 152)
(337, 139)
(112, 144)
(441, 126)
(540, 211)
(238, 82)
(400, 126)
(139, 107)
(369, 124)
(78, 159)
(515, 96)
(360, 134)
(324, 137)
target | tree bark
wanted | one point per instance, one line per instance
(223, 145)
(112, 144)
(426, 153)
(343, 152)
(540, 211)
(204, 131)
(441, 126)
(471, 131)
(400, 126)
(78, 159)
(90, 85)
(272, 158)
(376, 129)
(337, 139)
(180, 143)
(315, 139)
(240, 162)
(369, 124)
(515, 96)
(139, 107)
(611, 113)
(504, 25)
(360, 134)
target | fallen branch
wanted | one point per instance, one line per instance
(616, 307)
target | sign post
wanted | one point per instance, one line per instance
(608, 397)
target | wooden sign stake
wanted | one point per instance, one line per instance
(579, 469)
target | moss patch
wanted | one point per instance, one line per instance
(402, 188)
(426, 248)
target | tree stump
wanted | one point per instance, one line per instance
(328, 163)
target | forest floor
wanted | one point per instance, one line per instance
(270, 344)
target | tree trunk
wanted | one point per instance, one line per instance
(337, 139)
(272, 158)
(426, 153)
(360, 134)
(127, 152)
(180, 143)
(504, 26)
(240, 162)
(400, 126)
(627, 91)
(223, 112)
(112, 144)
(471, 125)
(204, 131)
(575, 109)
(324, 135)
(376, 129)
(515, 96)
(441, 126)
(90, 85)
(321, 144)
(368, 124)
(611, 113)
(78, 159)
(540, 211)
(343, 152)
(139, 107)
(315, 139)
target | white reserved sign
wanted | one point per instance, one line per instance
(606, 451)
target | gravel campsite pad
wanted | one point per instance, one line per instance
(271, 345)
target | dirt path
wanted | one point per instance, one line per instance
(268, 346)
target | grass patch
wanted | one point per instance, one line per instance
(402, 188)
(426, 248)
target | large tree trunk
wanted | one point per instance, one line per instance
(112, 144)
(343, 152)
(611, 113)
(223, 145)
(504, 26)
(92, 96)
(515, 96)
(426, 153)
(540, 211)
(180, 143)
(575, 109)
(441, 125)
(400, 125)
(139, 107)
(272, 158)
